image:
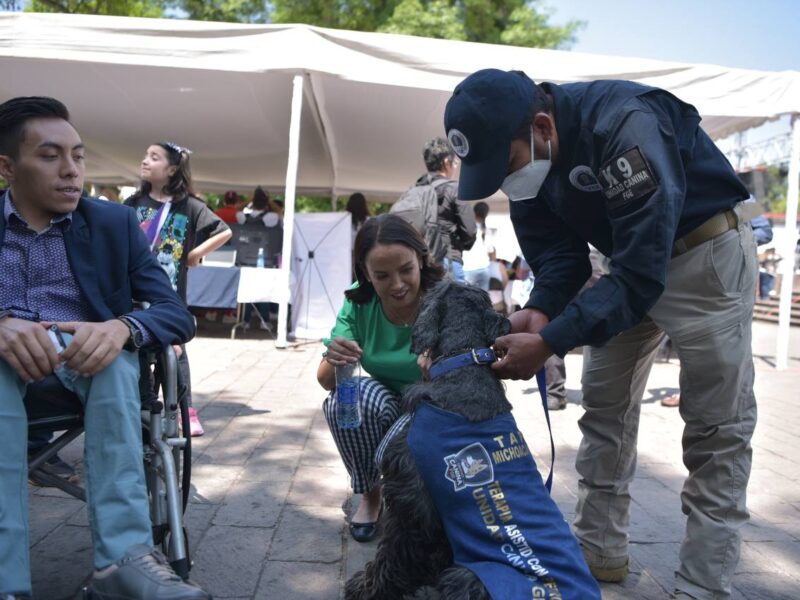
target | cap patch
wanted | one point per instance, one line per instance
(459, 142)
(626, 177)
(583, 178)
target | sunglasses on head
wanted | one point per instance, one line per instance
(173, 147)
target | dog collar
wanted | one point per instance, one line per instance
(479, 356)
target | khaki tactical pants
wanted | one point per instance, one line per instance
(706, 309)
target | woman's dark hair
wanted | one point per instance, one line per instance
(389, 229)
(179, 184)
(357, 207)
(260, 200)
(16, 112)
(231, 198)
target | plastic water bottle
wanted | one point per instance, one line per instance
(260, 258)
(348, 407)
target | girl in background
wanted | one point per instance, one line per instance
(181, 229)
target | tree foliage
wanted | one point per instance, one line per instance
(233, 11)
(512, 22)
(127, 8)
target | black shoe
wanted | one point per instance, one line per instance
(556, 403)
(54, 466)
(364, 532)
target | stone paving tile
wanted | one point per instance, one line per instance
(61, 562)
(50, 515)
(229, 560)
(318, 486)
(310, 534)
(253, 504)
(299, 581)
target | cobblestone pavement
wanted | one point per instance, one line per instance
(270, 496)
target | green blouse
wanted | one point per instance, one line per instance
(386, 347)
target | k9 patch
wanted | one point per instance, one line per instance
(626, 177)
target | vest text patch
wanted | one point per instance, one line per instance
(626, 177)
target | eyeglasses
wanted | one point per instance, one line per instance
(176, 148)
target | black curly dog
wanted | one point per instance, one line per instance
(413, 558)
(520, 554)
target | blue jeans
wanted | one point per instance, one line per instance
(478, 278)
(455, 269)
(119, 514)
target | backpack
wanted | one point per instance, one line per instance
(419, 205)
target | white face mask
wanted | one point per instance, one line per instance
(525, 182)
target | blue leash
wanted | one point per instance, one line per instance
(541, 381)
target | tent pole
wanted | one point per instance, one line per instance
(787, 264)
(288, 209)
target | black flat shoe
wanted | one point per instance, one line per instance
(363, 532)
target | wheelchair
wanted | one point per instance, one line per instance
(167, 452)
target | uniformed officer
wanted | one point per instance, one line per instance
(628, 169)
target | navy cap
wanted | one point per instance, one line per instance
(481, 118)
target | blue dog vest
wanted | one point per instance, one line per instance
(501, 522)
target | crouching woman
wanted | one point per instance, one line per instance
(393, 271)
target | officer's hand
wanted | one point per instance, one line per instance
(27, 349)
(343, 351)
(520, 355)
(528, 320)
(94, 346)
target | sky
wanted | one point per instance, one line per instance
(750, 34)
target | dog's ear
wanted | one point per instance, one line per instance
(426, 327)
(495, 325)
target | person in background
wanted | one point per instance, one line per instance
(357, 207)
(478, 258)
(231, 203)
(264, 221)
(519, 290)
(456, 218)
(180, 228)
(393, 271)
(261, 208)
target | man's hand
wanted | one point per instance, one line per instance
(27, 349)
(94, 346)
(528, 320)
(520, 355)
(343, 351)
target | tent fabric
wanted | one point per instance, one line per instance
(372, 100)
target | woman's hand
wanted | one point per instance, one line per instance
(343, 351)
(424, 362)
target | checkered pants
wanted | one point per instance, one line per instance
(380, 408)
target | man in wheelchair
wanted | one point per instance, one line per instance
(77, 262)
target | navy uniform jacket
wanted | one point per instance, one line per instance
(499, 518)
(635, 172)
(112, 264)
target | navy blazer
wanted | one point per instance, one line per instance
(112, 264)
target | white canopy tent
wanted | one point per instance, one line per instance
(367, 101)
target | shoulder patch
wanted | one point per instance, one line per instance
(583, 178)
(626, 177)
